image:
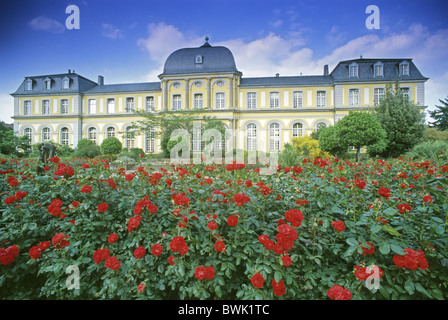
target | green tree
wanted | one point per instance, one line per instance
(87, 149)
(403, 121)
(329, 141)
(357, 130)
(111, 145)
(440, 115)
(10, 144)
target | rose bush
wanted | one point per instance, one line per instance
(322, 229)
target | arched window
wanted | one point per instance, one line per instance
(28, 132)
(64, 136)
(92, 134)
(274, 137)
(297, 130)
(196, 139)
(251, 137)
(110, 132)
(129, 138)
(150, 140)
(46, 134)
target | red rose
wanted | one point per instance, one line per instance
(209, 273)
(157, 249)
(338, 225)
(257, 280)
(384, 192)
(199, 272)
(35, 252)
(86, 189)
(112, 263)
(286, 259)
(220, 246)
(171, 260)
(278, 288)
(102, 207)
(232, 221)
(141, 287)
(44, 245)
(428, 199)
(112, 238)
(139, 252)
(59, 240)
(339, 293)
(212, 225)
(100, 255)
(404, 208)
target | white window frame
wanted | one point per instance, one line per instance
(220, 100)
(109, 132)
(130, 105)
(29, 85)
(198, 101)
(65, 83)
(129, 138)
(176, 102)
(297, 130)
(45, 106)
(251, 137)
(150, 141)
(92, 134)
(353, 70)
(251, 100)
(378, 95)
(46, 134)
(353, 96)
(404, 68)
(274, 135)
(64, 106)
(65, 136)
(91, 106)
(274, 99)
(110, 105)
(27, 107)
(150, 104)
(321, 98)
(29, 133)
(406, 92)
(378, 69)
(297, 99)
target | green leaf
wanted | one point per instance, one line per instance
(420, 288)
(375, 229)
(352, 242)
(409, 286)
(277, 276)
(384, 248)
(391, 230)
(397, 249)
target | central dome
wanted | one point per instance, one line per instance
(204, 59)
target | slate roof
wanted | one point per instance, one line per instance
(286, 81)
(366, 73)
(214, 59)
(124, 87)
(78, 84)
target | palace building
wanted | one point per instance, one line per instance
(263, 113)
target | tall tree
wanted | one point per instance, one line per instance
(440, 116)
(10, 144)
(402, 120)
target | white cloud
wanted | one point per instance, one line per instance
(6, 108)
(110, 31)
(43, 23)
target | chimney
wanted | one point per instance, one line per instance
(100, 80)
(277, 75)
(326, 70)
(69, 71)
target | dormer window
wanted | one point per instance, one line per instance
(378, 69)
(353, 70)
(65, 83)
(29, 85)
(198, 59)
(404, 68)
(47, 82)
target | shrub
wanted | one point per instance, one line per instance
(308, 147)
(288, 157)
(111, 145)
(436, 151)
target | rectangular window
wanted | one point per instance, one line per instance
(404, 69)
(274, 100)
(46, 107)
(379, 70)
(65, 83)
(251, 100)
(64, 106)
(198, 101)
(405, 93)
(28, 85)
(297, 99)
(378, 95)
(321, 99)
(353, 71)
(27, 108)
(111, 105)
(48, 84)
(220, 100)
(92, 106)
(149, 141)
(353, 97)
(149, 104)
(177, 102)
(129, 105)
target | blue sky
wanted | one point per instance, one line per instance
(129, 40)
